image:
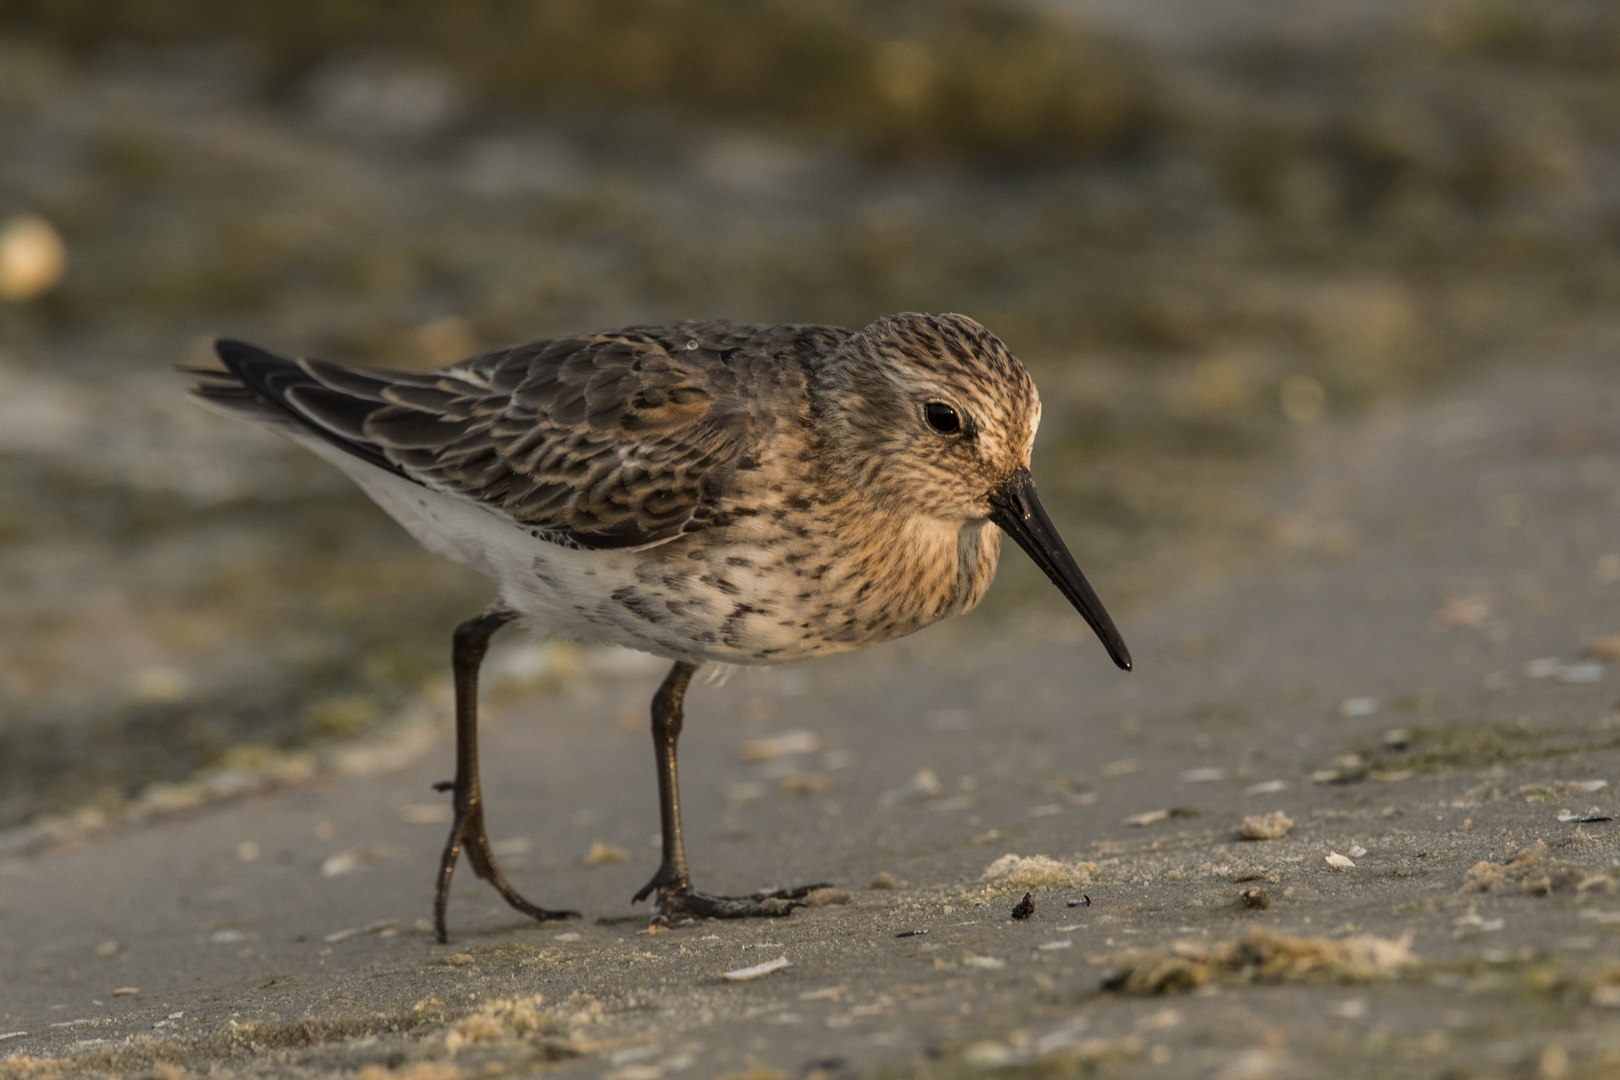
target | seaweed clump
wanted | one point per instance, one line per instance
(1260, 956)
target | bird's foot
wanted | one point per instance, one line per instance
(468, 831)
(685, 901)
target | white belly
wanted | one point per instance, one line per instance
(630, 598)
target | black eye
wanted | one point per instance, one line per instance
(942, 418)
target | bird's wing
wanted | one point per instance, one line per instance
(615, 440)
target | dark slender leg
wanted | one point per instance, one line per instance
(667, 719)
(471, 643)
(672, 881)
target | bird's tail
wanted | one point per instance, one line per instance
(282, 393)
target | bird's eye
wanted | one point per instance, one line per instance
(942, 418)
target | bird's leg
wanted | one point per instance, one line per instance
(672, 882)
(471, 642)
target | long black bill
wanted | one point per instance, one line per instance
(1017, 509)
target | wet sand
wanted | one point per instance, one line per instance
(1423, 599)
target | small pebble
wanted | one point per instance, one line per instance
(1025, 907)
(886, 880)
(1581, 673)
(1257, 899)
(341, 863)
(32, 258)
(1337, 861)
(1206, 775)
(1266, 787)
(602, 854)
(826, 895)
(742, 974)
(1272, 826)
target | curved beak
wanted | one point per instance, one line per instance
(1015, 507)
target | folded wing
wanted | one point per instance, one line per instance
(616, 440)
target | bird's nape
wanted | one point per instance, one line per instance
(1016, 508)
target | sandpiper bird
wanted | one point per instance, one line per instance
(702, 491)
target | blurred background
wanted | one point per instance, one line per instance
(1207, 226)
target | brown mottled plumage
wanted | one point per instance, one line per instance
(702, 491)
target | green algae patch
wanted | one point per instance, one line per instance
(1481, 744)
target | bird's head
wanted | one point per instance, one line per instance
(932, 415)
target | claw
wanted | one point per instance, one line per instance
(656, 882)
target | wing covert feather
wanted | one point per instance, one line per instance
(623, 439)
(620, 439)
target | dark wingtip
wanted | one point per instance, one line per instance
(231, 352)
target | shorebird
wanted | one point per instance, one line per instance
(702, 491)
